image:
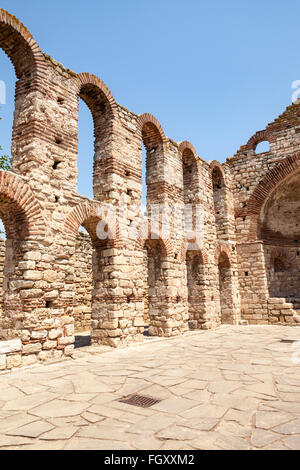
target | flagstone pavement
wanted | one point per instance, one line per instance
(237, 387)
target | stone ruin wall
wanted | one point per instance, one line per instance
(58, 282)
(256, 177)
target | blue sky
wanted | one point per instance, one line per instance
(212, 72)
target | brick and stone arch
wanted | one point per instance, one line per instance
(157, 283)
(263, 191)
(258, 138)
(190, 172)
(158, 254)
(225, 249)
(191, 182)
(192, 245)
(25, 228)
(88, 215)
(219, 198)
(102, 105)
(100, 223)
(152, 135)
(280, 215)
(19, 45)
(167, 305)
(20, 211)
(279, 228)
(166, 243)
(249, 149)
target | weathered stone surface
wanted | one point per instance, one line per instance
(267, 420)
(10, 346)
(58, 408)
(62, 433)
(34, 429)
(293, 427)
(261, 438)
(52, 402)
(14, 360)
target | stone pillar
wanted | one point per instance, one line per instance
(253, 282)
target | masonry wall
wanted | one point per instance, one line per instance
(256, 185)
(199, 257)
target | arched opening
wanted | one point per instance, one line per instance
(152, 195)
(92, 93)
(219, 197)
(280, 215)
(190, 191)
(225, 288)
(196, 283)
(190, 176)
(279, 228)
(17, 42)
(93, 275)
(83, 280)
(13, 246)
(91, 270)
(85, 151)
(154, 287)
(262, 147)
(154, 166)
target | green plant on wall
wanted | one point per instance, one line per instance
(5, 162)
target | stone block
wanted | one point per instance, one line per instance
(2, 361)
(11, 346)
(32, 348)
(31, 275)
(14, 360)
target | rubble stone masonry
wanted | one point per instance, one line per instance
(234, 255)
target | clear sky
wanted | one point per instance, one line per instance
(212, 72)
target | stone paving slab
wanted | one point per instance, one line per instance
(237, 387)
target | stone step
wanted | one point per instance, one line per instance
(296, 315)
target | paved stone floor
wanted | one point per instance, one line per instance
(231, 388)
